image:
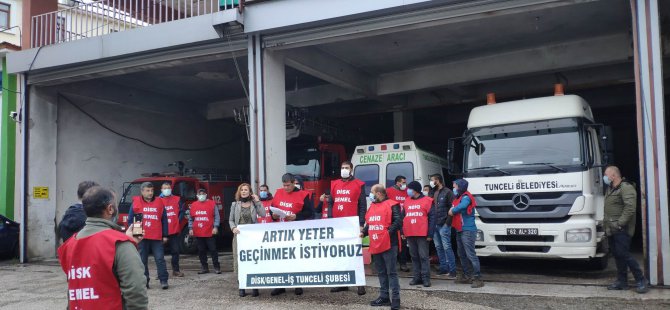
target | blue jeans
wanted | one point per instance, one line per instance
(388, 274)
(156, 247)
(445, 252)
(466, 252)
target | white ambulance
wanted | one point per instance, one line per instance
(382, 163)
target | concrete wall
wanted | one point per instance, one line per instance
(67, 147)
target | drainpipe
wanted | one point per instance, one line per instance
(260, 104)
(25, 119)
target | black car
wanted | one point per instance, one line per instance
(9, 238)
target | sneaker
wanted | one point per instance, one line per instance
(461, 279)
(339, 289)
(415, 282)
(164, 285)
(203, 271)
(617, 286)
(361, 290)
(641, 286)
(298, 291)
(217, 270)
(277, 291)
(255, 293)
(395, 304)
(243, 293)
(404, 268)
(380, 302)
(477, 283)
(178, 274)
(426, 282)
(450, 276)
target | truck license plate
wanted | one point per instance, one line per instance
(522, 231)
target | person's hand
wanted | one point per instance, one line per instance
(165, 240)
(290, 217)
(451, 212)
(215, 231)
(137, 239)
(236, 230)
(190, 232)
(361, 235)
(403, 237)
(275, 216)
(255, 198)
(429, 239)
(361, 228)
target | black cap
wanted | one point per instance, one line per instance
(202, 190)
(415, 186)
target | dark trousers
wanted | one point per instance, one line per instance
(388, 274)
(155, 247)
(403, 256)
(174, 251)
(619, 244)
(207, 245)
(418, 249)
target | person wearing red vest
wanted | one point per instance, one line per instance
(383, 223)
(295, 205)
(155, 224)
(417, 228)
(103, 268)
(203, 224)
(463, 212)
(266, 200)
(398, 192)
(174, 212)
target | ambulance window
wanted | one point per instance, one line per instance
(393, 170)
(368, 174)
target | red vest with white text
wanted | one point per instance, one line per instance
(88, 263)
(202, 213)
(290, 203)
(152, 213)
(345, 197)
(397, 195)
(267, 218)
(415, 223)
(172, 210)
(378, 218)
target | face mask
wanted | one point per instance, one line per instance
(432, 184)
(202, 197)
(425, 193)
(410, 192)
(345, 173)
(403, 187)
(297, 186)
(166, 192)
(607, 180)
(371, 197)
(455, 192)
(263, 194)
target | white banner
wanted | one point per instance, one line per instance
(315, 253)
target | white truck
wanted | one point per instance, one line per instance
(535, 169)
(382, 163)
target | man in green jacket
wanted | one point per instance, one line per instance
(620, 208)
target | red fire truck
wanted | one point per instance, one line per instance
(220, 188)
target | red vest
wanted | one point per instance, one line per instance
(415, 223)
(291, 203)
(152, 213)
(172, 210)
(88, 263)
(345, 197)
(378, 218)
(202, 214)
(457, 220)
(267, 218)
(397, 195)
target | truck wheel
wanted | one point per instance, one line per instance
(187, 244)
(599, 263)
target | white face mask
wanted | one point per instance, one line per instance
(345, 173)
(297, 186)
(403, 187)
(167, 192)
(425, 193)
(202, 197)
(432, 184)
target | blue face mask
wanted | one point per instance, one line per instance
(410, 192)
(455, 192)
(263, 194)
(607, 180)
(371, 196)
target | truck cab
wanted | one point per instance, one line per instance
(316, 164)
(535, 167)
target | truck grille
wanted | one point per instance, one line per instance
(524, 248)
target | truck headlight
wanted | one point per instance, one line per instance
(480, 235)
(578, 235)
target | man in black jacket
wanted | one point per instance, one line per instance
(74, 218)
(442, 199)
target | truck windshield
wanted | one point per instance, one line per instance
(547, 146)
(305, 163)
